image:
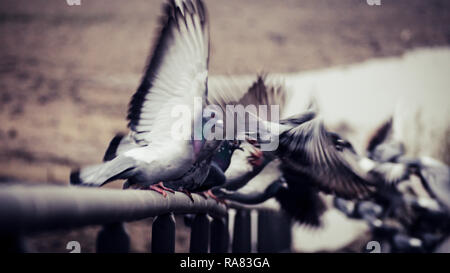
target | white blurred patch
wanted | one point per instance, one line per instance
(366, 164)
(413, 87)
(430, 161)
(337, 232)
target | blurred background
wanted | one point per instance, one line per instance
(67, 72)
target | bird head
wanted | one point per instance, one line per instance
(225, 152)
(210, 132)
(340, 143)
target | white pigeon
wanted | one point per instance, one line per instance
(175, 77)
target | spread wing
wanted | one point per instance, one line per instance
(307, 148)
(261, 92)
(176, 72)
(261, 98)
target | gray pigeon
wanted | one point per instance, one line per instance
(176, 75)
(382, 147)
(311, 159)
(393, 167)
(307, 148)
(412, 198)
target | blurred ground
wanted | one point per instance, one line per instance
(66, 73)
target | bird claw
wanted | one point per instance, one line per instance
(161, 185)
(203, 194)
(256, 157)
(213, 196)
(253, 141)
(160, 188)
(189, 194)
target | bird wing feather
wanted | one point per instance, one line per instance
(308, 149)
(176, 72)
(262, 92)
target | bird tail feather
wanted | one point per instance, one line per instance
(100, 174)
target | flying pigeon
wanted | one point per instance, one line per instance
(298, 195)
(412, 193)
(175, 77)
(390, 164)
(307, 148)
(312, 159)
(261, 92)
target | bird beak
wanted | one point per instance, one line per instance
(254, 142)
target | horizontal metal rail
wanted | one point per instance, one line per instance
(26, 209)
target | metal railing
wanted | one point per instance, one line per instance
(29, 209)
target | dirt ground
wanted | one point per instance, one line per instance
(67, 72)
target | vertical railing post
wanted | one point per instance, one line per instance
(242, 232)
(219, 235)
(274, 232)
(113, 238)
(199, 234)
(267, 237)
(163, 234)
(285, 230)
(12, 243)
(227, 233)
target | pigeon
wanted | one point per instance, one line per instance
(300, 199)
(253, 198)
(390, 164)
(312, 160)
(227, 93)
(298, 195)
(382, 147)
(176, 76)
(434, 176)
(412, 193)
(307, 148)
(259, 93)
(216, 176)
(220, 163)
